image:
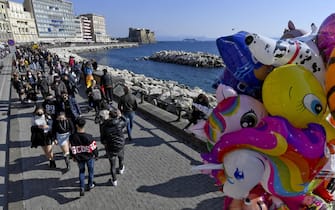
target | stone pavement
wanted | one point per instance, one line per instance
(5, 76)
(157, 174)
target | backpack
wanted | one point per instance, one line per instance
(96, 94)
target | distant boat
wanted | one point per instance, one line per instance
(190, 40)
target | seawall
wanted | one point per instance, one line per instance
(160, 100)
(93, 48)
(169, 95)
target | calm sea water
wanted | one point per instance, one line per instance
(131, 59)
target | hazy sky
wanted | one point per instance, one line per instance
(207, 18)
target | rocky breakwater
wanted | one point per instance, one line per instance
(168, 95)
(197, 59)
(93, 48)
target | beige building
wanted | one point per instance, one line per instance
(5, 30)
(86, 28)
(22, 24)
(98, 28)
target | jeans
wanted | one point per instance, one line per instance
(130, 118)
(109, 94)
(90, 167)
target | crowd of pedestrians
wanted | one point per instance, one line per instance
(42, 80)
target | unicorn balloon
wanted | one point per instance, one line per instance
(232, 113)
(282, 158)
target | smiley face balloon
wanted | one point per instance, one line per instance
(293, 92)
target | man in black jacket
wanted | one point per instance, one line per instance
(128, 105)
(113, 139)
(84, 149)
(107, 84)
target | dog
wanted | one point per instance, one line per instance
(290, 51)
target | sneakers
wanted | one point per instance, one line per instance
(82, 192)
(114, 183)
(121, 171)
(52, 164)
(90, 187)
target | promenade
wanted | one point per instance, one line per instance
(157, 166)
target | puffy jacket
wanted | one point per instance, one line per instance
(112, 134)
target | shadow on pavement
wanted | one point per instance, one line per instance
(22, 165)
(19, 144)
(51, 187)
(179, 187)
(156, 141)
(208, 204)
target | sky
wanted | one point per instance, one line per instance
(171, 19)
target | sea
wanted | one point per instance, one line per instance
(133, 60)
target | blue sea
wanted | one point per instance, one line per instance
(132, 60)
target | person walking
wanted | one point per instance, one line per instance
(114, 141)
(62, 129)
(43, 85)
(107, 84)
(69, 106)
(18, 86)
(41, 134)
(59, 88)
(128, 105)
(84, 151)
(196, 114)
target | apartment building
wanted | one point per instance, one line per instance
(5, 30)
(86, 28)
(22, 24)
(55, 20)
(98, 28)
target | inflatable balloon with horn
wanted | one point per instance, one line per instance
(233, 112)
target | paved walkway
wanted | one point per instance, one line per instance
(5, 76)
(157, 175)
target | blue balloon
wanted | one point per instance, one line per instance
(237, 58)
(240, 65)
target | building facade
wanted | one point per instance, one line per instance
(54, 19)
(98, 28)
(78, 29)
(22, 24)
(5, 29)
(86, 28)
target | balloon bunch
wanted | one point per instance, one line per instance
(273, 127)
